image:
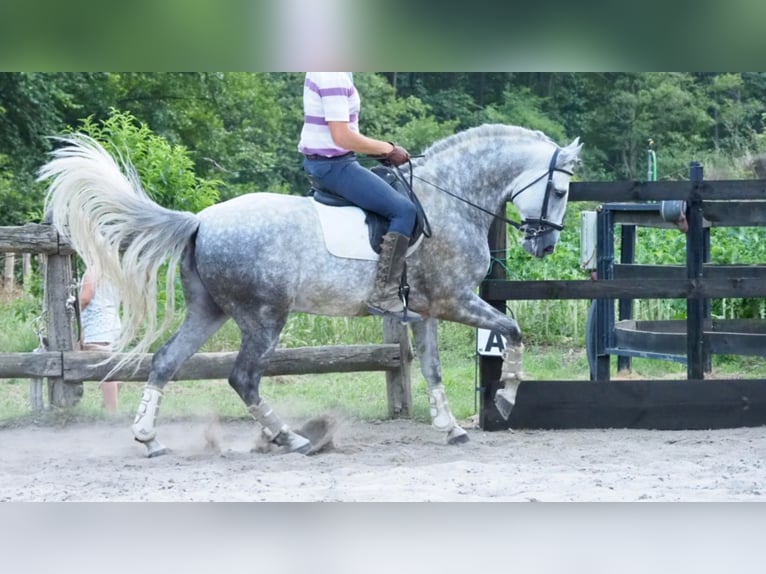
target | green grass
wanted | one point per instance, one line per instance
(18, 328)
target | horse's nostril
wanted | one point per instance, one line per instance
(548, 250)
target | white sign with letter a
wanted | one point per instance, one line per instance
(490, 343)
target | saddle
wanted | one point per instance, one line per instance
(377, 225)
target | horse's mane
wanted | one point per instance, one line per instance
(485, 130)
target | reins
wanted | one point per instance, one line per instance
(543, 225)
(515, 224)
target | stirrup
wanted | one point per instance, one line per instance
(403, 316)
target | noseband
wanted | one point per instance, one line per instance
(534, 228)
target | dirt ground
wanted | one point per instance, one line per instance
(397, 460)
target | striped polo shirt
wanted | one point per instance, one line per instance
(327, 96)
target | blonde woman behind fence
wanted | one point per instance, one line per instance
(100, 319)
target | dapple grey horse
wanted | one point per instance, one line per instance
(259, 257)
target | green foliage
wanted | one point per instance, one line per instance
(242, 128)
(18, 324)
(406, 120)
(524, 108)
(419, 133)
(665, 107)
(32, 108)
(549, 322)
(10, 193)
(744, 246)
(453, 105)
(166, 171)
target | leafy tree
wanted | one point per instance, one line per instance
(733, 113)
(521, 107)
(636, 107)
(406, 120)
(165, 170)
(232, 124)
(31, 109)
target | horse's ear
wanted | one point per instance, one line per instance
(571, 153)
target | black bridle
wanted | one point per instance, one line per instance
(532, 228)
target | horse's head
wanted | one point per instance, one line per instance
(541, 198)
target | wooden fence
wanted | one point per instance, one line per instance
(694, 402)
(10, 265)
(65, 367)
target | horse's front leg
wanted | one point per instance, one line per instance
(473, 311)
(426, 343)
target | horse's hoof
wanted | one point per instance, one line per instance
(457, 436)
(155, 448)
(503, 404)
(296, 443)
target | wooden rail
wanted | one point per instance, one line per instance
(33, 238)
(65, 367)
(88, 366)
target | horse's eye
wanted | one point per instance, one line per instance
(560, 192)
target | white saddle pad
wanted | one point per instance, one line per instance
(345, 232)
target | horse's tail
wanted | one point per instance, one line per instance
(99, 206)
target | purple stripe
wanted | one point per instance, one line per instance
(315, 120)
(336, 92)
(348, 92)
(320, 121)
(312, 86)
(328, 151)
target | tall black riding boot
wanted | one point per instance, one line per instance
(385, 299)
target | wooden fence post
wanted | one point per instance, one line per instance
(8, 278)
(398, 381)
(26, 271)
(59, 303)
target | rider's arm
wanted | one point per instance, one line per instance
(345, 137)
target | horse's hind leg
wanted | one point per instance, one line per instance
(426, 342)
(260, 333)
(203, 319)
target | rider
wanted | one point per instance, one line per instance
(330, 140)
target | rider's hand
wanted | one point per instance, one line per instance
(396, 156)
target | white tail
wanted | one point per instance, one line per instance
(99, 206)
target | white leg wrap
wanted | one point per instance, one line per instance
(512, 370)
(441, 415)
(277, 431)
(511, 375)
(271, 423)
(143, 424)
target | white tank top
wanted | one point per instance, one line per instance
(100, 320)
